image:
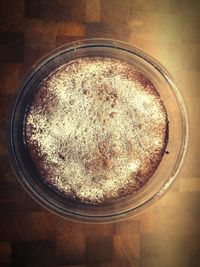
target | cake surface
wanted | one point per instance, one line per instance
(96, 129)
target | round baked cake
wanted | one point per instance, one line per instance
(96, 129)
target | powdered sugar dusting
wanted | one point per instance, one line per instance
(95, 128)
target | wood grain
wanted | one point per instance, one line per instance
(166, 234)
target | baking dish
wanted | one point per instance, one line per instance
(168, 168)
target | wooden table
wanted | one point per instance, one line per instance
(166, 234)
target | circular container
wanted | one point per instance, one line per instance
(158, 183)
